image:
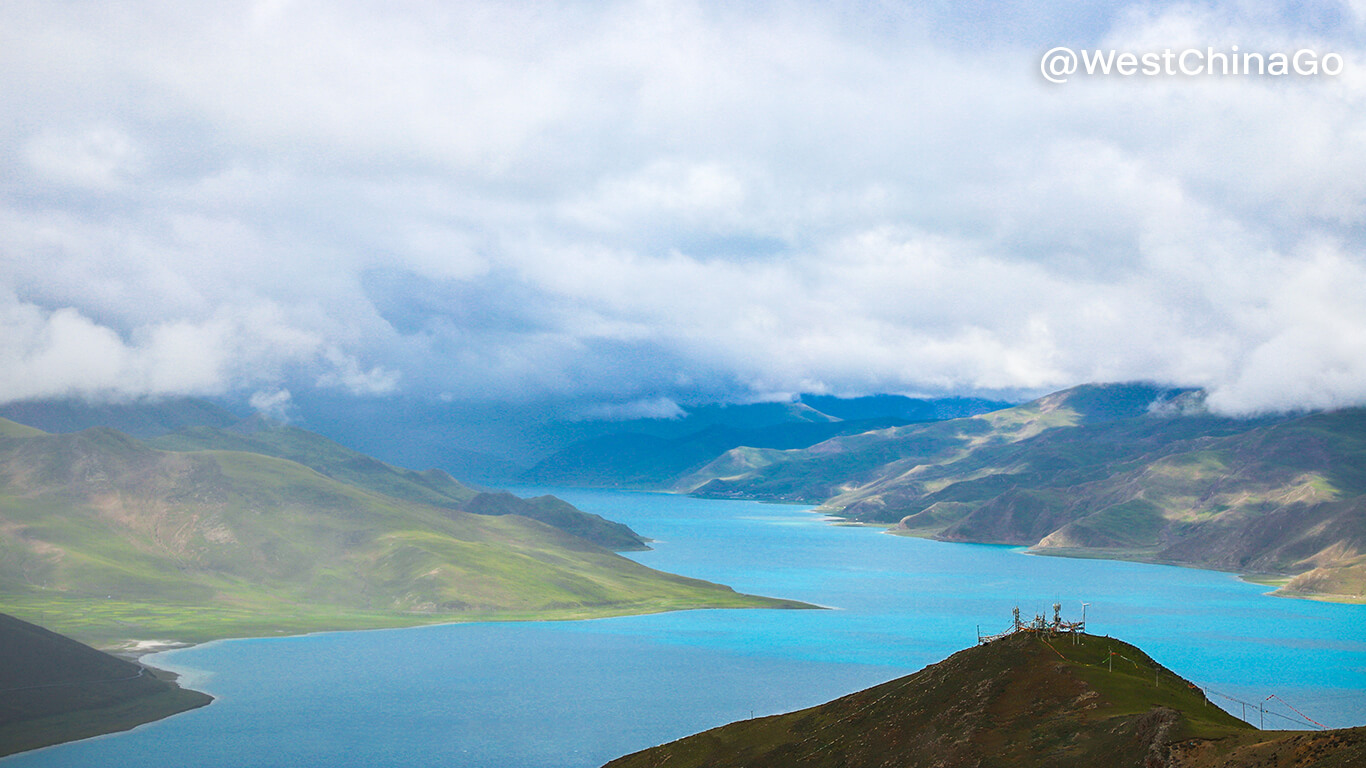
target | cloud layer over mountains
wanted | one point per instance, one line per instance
(640, 203)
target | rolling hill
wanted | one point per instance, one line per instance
(112, 539)
(55, 689)
(1029, 699)
(432, 487)
(1132, 471)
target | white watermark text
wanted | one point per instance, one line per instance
(1061, 63)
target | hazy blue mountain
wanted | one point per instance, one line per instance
(657, 453)
(498, 443)
(145, 417)
(645, 461)
(901, 407)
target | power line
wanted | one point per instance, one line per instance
(1261, 707)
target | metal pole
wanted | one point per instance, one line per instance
(1262, 709)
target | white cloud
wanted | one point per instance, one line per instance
(708, 196)
(99, 158)
(631, 200)
(274, 404)
(347, 373)
(652, 408)
(61, 353)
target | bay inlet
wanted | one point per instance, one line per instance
(571, 694)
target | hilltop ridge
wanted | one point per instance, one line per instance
(1028, 699)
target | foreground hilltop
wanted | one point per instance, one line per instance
(1025, 700)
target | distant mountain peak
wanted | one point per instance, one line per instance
(1098, 402)
(144, 417)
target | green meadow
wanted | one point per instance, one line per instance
(109, 541)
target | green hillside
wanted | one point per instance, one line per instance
(111, 540)
(14, 429)
(54, 689)
(1131, 471)
(432, 487)
(322, 455)
(1029, 699)
(560, 514)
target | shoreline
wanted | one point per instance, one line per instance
(135, 649)
(190, 698)
(1276, 580)
(832, 516)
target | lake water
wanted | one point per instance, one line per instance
(572, 694)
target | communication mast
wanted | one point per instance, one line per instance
(1040, 624)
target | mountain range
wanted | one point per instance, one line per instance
(502, 443)
(1133, 471)
(652, 453)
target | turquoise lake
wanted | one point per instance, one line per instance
(570, 694)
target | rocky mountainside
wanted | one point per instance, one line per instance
(1130, 471)
(1029, 699)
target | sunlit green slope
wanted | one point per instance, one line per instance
(432, 487)
(104, 538)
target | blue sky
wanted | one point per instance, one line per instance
(631, 205)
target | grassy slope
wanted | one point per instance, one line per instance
(14, 429)
(1021, 701)
(560, 514)
(112, 540)
(329, 458)
(1278, 498)
(53, 689)
(432, 487)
